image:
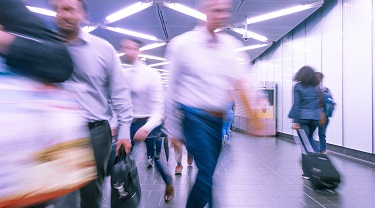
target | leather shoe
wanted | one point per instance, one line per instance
(169, 192)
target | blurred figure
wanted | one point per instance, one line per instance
(148, 106)
(228, 119)
(328, 100)
(30, 48)
(203, 71)
(307, 103)
(177, 145)
(96, 78)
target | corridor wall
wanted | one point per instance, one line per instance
(336, 40)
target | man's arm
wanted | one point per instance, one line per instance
(157, 103)
(121, 101)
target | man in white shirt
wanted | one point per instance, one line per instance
(204, 69)
(148, 106)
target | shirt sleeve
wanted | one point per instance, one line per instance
(45, 60)
(157, 101)
(172, 112)
(119, 92)
(297, 103)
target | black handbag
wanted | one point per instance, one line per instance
(125, 186)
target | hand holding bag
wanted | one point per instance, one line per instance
(125, 186)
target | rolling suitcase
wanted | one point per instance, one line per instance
(318, 167)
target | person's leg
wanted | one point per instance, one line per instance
(230, 119)
(178, 156)
(150, 146)
(322, 136)
(308, 127)
(91, 194)
(158, 144)
(203, 138)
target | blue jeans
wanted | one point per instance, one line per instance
(322, 135)
(309, 127)
(152, 139)
(226, 125)
(202, 132)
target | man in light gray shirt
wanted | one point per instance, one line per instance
(96, 78)
(204, 71)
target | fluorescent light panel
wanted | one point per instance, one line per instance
(42, 11)
(251, 34)
(151, 57)
(159, 64)
(280, 13)
(186, 10)
(132, 9)
(131, 33)
(152, 46)
(251, 47)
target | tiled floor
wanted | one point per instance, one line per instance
(259, 172)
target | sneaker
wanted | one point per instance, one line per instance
(157, 156)
(305, 177)
(225, 137)
(323, 152)
(190, 159)
(150, 162)
(178, 169)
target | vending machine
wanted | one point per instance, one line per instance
(264, 102)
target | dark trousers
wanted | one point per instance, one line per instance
(91, 194)
(322, 135)
(202, 132)
(309, 127)
(152, 139)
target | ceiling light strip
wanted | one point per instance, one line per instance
(280, 13)
(151, 57)
(152, 46)
(42, 11)
(186, 10)
(251, 34)
(131, 33)
(132, 9)
(159, 64)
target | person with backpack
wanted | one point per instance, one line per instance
(328, 108)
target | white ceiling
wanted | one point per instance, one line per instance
(165, 23)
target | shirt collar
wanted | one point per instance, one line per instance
(206, 36)
(82, 38)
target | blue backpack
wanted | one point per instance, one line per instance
(329, 104)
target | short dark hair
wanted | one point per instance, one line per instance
(135, 40)
(306, 76)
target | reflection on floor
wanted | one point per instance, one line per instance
(258, 172)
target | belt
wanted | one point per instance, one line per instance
(140, 119)
(95, 124)
(216, 114)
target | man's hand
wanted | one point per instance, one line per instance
(141, 134)
(125, 143)
(296, 126)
